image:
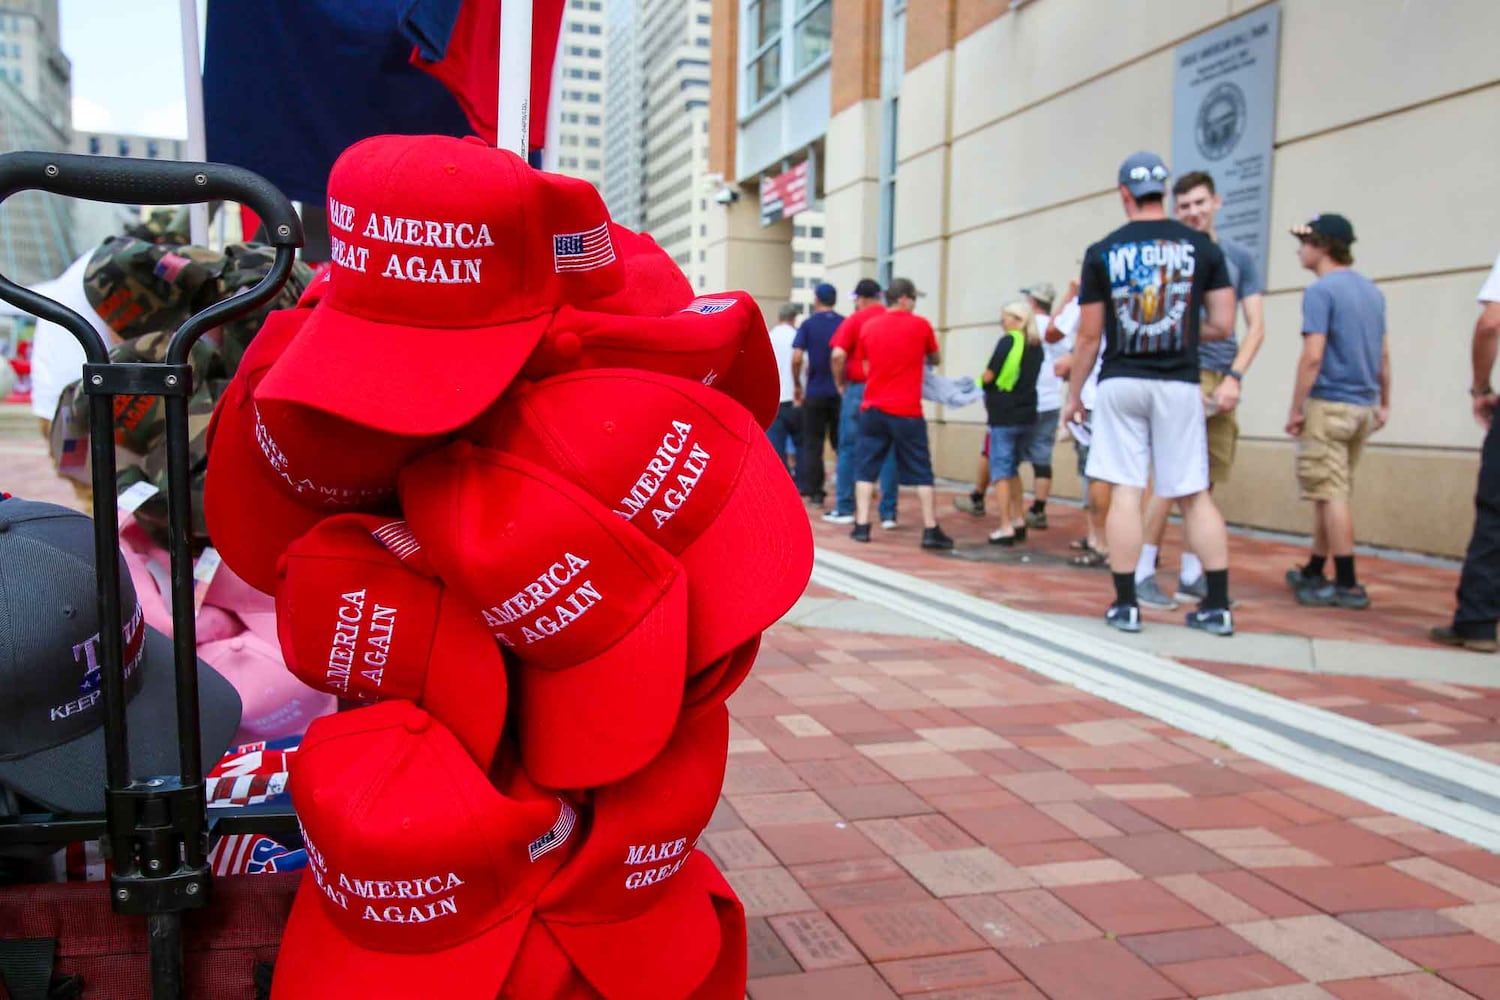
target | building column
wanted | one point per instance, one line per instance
(741, 254)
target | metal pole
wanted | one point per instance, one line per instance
(164, 946)
(513, 121)
(197, 141)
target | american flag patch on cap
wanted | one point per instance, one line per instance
(583, 251)
(555, 837)
(397, 537)
(707, 307)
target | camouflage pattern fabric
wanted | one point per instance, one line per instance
(145, 291)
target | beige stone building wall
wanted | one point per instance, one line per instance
(1386, 112)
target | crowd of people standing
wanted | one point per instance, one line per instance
(1140, 362)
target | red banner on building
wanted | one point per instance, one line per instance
(785, 194)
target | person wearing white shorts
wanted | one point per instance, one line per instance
(1151, 290)
(1150, 430)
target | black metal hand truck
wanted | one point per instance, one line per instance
(155, 828)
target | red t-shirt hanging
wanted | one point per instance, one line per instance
(896, 346)
(847, 338)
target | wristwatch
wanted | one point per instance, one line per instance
(1238, 376)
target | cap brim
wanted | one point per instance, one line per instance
(466, 688)
(399, 378)
(70, 777)
(606, 718)
(251, 520)
(713, 687)
(727, 977)
(317, 960)
(763, 532)
(752, 378)
(665, 953)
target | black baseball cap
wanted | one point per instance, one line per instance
(867, 288)
(1329, 225)
(51, 696)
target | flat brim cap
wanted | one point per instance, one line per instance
(70, 777)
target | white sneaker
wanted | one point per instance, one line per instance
(833, 517)
(888, 523)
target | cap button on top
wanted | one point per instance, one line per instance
(568, 345)
(416, 720)
(236, 644)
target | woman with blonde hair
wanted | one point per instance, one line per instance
(1009, 383)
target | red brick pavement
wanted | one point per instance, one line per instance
(1408, 598)
(911, 818)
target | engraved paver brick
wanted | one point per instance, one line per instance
(739, 849)
(808, 843)
(905, 930)
(782, 807)
(1090, 970)
(857, 981)
(1000, 925)
(921, 976)
(766, 954)
(1320, 948)
(768, 891)
(964, 872)
(815, 941)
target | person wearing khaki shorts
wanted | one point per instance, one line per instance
(1341, 397)
(1333, 438)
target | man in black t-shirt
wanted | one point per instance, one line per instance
(1154, 288)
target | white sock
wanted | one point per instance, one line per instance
(1191, 570)
(1145, 568)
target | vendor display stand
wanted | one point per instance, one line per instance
(156, 831)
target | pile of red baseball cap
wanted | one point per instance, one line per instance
(508, 480)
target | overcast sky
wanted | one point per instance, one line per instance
(127, 65)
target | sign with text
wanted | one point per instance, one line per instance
(1224, 119)
(785, 194)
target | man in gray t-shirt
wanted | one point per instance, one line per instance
(1342, 396)
(1222, 365)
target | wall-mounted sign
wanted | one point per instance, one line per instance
(785, 194)
(1224, 119)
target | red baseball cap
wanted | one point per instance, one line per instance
(690, 469)
(620, 904)
(654, 284)
(593, 613)
(275, 469)
(360, 614)
(421, 875)
(542, 968)
(449, 258)
(712, 687)
(714, 339)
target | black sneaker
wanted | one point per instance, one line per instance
(1217, 621)
(860, 533)
(1448, 636)
(1296, 580)
(1125, 617)
(1036, 520)
(932, 538)
(1325, 594)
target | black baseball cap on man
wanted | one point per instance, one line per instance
(1329, 225)
(867, 288)
(51, 695)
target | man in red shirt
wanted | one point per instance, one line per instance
(849, 376)
(896, 346)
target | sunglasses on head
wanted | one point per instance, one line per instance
(1156, 173)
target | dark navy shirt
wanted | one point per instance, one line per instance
(813, 340)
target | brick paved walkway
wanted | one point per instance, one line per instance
(1408, 599)
(910, 817)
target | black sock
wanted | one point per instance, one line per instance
(1038, 506)
(1343, 570)
(1314, 567)
(1218, 590)
(977, 496)
(1125, 587)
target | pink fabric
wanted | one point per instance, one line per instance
(236, 631)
